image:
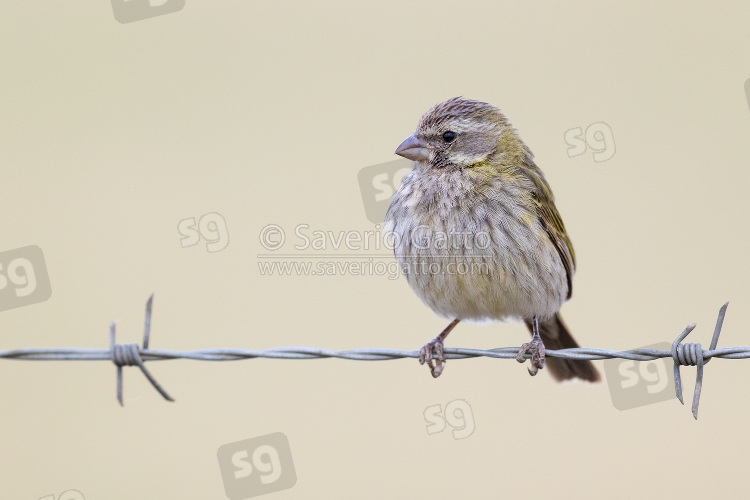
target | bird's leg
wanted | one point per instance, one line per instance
(536, 346)
(425, 353)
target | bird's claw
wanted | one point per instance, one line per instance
(425, 355)
(536, 347)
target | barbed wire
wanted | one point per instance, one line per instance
(689, 354)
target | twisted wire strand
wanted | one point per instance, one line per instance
(363, 354)
(689, 354)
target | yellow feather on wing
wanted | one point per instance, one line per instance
(550, 218)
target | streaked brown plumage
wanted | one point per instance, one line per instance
(474, 177)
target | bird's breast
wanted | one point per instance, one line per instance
(471, 246)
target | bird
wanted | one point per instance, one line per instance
(476, 233)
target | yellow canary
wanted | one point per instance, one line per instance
(477, 234)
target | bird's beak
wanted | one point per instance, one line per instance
(413, 149)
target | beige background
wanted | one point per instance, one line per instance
(264, 112)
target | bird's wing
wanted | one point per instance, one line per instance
(551, 220)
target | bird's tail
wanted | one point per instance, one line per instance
(555, 335)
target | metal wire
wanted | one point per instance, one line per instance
(131, 355)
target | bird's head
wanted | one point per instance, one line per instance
(459, 133)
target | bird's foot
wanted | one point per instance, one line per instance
(536, 347)
(425, 355)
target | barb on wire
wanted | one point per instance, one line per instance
(131, 355)
(693, 355)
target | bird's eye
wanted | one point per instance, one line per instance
(449, 136)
